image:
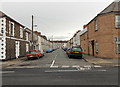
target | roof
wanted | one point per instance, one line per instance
(4, 15)
(59, 41)
(113, 7)
(44, 37)
(83, 32)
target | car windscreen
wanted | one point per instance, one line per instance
(76, 49)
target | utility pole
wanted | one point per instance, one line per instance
(32, 33)
(52, 41)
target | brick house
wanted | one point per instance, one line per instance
(102, 38)
(12, 38)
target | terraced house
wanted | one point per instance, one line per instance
(102, 38)
(13, 40)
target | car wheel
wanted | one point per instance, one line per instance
(69, 56)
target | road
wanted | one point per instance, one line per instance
(57, 69)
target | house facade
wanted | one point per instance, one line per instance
(12, 38)
(76, 38)
(102, 36)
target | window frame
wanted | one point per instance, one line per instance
(117, 21)
(27, 36)
(96, 47)
(11, 28)
(21, 32)
(96, 26)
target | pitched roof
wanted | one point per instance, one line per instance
(113, 7)
(4, 15)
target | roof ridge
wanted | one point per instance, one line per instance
(114, 6)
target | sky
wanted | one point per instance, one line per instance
(59, 19)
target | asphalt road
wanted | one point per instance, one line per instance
(57, 69)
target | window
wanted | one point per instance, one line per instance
(97, 47)
(11, 27)
(27, 47)
(118, 48)
(96, 25)
(117, 21)
(21, 32)
(27, 37)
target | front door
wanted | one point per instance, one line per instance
(17, 43)
(92, 43)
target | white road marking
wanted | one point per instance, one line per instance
(7, 71)
(65, 66)
(82, 68)
(86, 66)
(54, 67)
(75, 66)
(52, 63)
(97, 66)
(62, 71)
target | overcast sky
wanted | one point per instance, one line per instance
(60, 19)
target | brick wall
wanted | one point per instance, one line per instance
(104, 36)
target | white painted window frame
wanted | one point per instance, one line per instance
(27, 36)
(21, 32)
(27, 47)
(10, 28)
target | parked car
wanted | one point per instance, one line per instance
(67, 51)
(42, 51)
(34, 54)
(75, 52)
(64, 49)
(49, 50)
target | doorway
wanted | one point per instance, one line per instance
(17, 44)
(92, 43)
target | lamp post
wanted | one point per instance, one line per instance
(33, 32)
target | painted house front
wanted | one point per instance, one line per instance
(12, 38)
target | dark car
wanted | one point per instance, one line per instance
(75, 52)
(67, 51)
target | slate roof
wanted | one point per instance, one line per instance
(113, 7)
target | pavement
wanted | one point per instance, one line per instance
(12, 62)
(102, 61)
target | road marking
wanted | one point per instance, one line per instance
(65, 66)
(54, 66)
(87, 66)
(75, 66)
(81, 68)
(102, 70)
(62, 71)
(97, 66)
(78, 68)
(7, 71)
(52, 63)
